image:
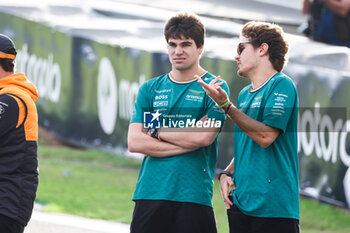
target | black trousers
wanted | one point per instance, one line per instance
(241, 223)
(8, 225)
(158, 216)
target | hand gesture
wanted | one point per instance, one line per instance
(213, 90)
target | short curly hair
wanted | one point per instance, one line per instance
(185, 24)
(271, 34)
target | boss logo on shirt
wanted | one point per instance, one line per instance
(161, 97)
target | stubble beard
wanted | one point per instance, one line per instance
(183, 67)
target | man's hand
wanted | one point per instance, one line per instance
(139, 141)
(226, 185)
(213, 90)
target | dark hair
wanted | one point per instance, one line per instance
(185, 24)
(8, 64)
(271, 34)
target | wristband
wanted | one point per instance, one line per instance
(224, 104)
(154, 133)
(228, 108)
(226, 173)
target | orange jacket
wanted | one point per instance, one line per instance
(18, 147)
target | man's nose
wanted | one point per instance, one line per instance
(178, 50)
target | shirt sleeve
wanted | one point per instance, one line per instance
(214, 112)
(280, 104)
(142, 104)
(9, 112)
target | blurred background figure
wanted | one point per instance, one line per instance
(329, 21)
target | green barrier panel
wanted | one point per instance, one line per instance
(45, 56)
(87, 91)
(324, 142)
(107, 79)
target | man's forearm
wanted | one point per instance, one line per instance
(140, 142)
(164, 149)
(230, 167)
(259, 132)
(190, 138)
(262, 134)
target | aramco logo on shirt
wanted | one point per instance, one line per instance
(153, 120)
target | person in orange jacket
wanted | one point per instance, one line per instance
(18, 143)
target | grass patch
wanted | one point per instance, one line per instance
(88, 183)
(323, 218)
(97, 157)
(96, 184)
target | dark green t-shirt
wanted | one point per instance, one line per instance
(267, 180)
(187, 177)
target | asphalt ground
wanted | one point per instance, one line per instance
(42, 222)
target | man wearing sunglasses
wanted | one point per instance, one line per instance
(263, 175)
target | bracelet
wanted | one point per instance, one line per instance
(158, 136)
(154, 133)
(224, 104)
(226, 173)
(228, 108)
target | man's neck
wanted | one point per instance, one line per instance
(4, 73)
(186, 75)
(260, 77)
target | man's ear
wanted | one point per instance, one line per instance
(264, 49)
(200, 49)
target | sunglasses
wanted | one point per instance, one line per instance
(240, 47)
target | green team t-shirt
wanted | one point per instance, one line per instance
(186, 177)
(267, 180)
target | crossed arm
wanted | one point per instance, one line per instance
(171, 143)
(190, 137)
